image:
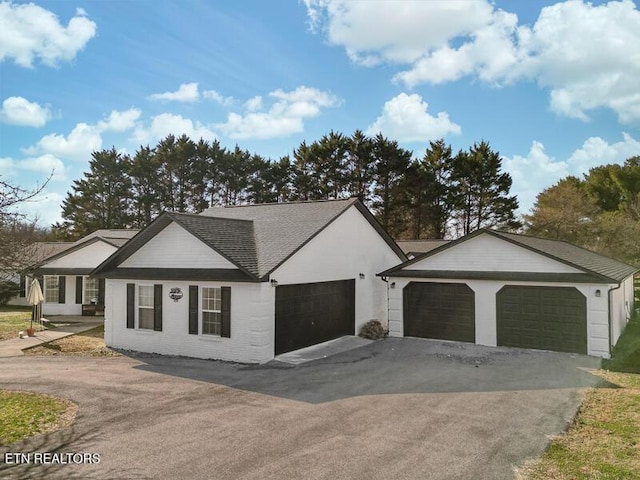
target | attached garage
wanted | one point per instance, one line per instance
(439, 310)
(503, 289)
(546, 318)
(311, 313)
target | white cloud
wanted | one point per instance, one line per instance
(536, 171)
(20, 111)
(596, 151)
(533, 173)
(78, 145)
(254, 104)
(586, 55)
(589, 56)
(406, 118)
(30, 32)
(285, 116)
(84, 139)
(218, 97)
(119, 121)
(45, 207)
(398, 32)
(170, 124)
(44, 164)
(187, 92)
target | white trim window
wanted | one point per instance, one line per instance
(145, 307)
(91, 286)
(51, 289)
(211, 311)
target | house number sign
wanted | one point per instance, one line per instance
(175, 294)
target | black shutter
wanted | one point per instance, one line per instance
(131, 305)
(62, 290)
(101, 291)
(157, 308)
(193, 309)
(23, 286)
(78, 289)
(225, 330)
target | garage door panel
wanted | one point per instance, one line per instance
(311, 313)
(541, 317)
(439, 310)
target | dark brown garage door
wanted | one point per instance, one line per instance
(310, 313)
(440, 310)
(546, 318)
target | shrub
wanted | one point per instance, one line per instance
(8, 290)
(373, 330)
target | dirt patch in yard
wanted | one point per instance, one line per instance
(89, 343)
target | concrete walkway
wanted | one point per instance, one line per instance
(323, 350)
(14, 347)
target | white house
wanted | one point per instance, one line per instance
(64, 276)
(495, 288)
(246, 283)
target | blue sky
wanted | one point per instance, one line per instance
(553, 86)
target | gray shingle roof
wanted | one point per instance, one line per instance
(232, 238)
(596, 265)
(283, 228)
(256, 238)
(416, 247)
(574, 255)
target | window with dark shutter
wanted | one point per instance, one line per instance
(78, 289)
(157, 308)
(225, 330)
(62, 283)
(131, 305)
(101, 291)
(23, 286)
(193, 309)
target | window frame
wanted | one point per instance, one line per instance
(48, 289)
(201, 310)
(85, 298)
(150, 307)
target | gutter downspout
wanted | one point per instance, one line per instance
(609, 315)
(385, 280)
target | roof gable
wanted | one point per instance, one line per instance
(87, 254)
(230, 239)
(597, 266)
(281, 229)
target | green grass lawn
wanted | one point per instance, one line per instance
(14, 319)
(604, 441)
(24, 414)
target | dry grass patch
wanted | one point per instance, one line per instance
(24, 414)
(14, 320)
(89, 343)
(604, 441)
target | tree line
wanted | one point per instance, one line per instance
(441, 194)
(600, 211)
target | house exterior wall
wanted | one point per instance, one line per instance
(69, 307)
(344, 249)
(252, 323)
(485, 305)
(174, 247)
(622, 305)
(487, 253)
(89, 256)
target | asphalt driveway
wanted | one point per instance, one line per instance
(395, 409)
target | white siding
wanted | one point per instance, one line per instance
(485, 304)
(252, 321)
(89, 256)
(347, 247)
(621, 307)
(174, 247)
(69, 307)
(488, 253)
